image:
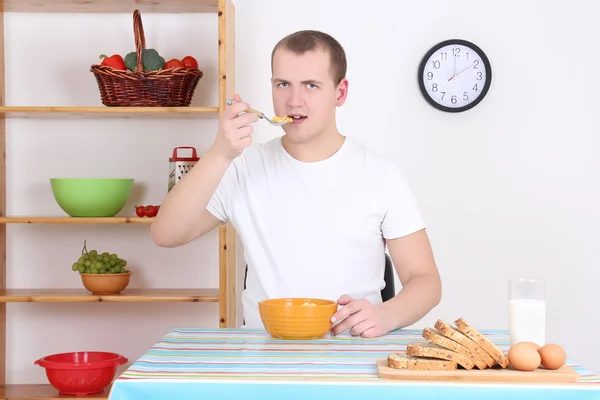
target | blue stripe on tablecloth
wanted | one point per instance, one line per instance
(263, 390)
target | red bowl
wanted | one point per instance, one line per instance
(81, 373)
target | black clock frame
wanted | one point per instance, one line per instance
(486, 64)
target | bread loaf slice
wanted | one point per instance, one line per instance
(450, 332)
(437, 338)
(427, 349)
(403, 361)
(493, 350)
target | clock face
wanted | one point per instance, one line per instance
(455, 75)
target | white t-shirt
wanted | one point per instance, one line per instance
(314, 229)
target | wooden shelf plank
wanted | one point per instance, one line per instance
(76, 220)
(126, 296)
(107, 112)
(111, 6)
(42, 392)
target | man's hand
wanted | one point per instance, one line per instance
(361, 317)
(235, 132)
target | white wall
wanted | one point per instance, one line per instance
(508, 188)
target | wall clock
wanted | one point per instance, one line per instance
(455, 75)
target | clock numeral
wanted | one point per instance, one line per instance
(468, 55)
(453, 99)
(479, 76)
(465, 96)
(475, 88)
(443, 55)
(434, 87)
(475, 65)
(430, 75)
(456, 52)
(443, 94)
(436, 64)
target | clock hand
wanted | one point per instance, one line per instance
(449, 79)
(455, 75)
(464, 69)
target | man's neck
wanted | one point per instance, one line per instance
(319, 149)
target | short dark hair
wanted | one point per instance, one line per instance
(302, 41)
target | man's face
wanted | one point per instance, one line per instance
(303, 88)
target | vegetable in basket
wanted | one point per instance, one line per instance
(189, 62)
(151, 60)
(174, 63)
(115, 61)
(186, 62)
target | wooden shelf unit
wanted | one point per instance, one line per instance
(126, 296)
(107, 112)
(225, 294)
(76, 220)
(41, 392)
(112, 6)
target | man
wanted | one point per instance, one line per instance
(313, 209)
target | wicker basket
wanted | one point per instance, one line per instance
(173, 87)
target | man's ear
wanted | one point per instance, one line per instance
(342, 92)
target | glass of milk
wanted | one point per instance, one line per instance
(527, 310)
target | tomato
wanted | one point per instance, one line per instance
(151, 211)
(174, 63)
(189, 62)
(140, 211)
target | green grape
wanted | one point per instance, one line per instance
(113, 262)
(88, 263)
(75, 267)
(93, 252)
(123, 263)
(81, 260)
(105, 259)
(94, 270)
(114, 257)
(81, 269)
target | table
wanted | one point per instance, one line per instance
(248, 364)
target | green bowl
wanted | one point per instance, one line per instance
(91, 197)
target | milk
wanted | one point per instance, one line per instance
(527, 321)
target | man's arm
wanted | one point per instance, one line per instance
(421, 284)
(183, 216)
(421, 291)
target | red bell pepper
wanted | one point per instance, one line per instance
(115, 61)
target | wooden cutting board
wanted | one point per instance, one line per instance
(565, 374)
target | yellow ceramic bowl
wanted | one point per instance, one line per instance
(297, 318)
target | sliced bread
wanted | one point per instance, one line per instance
(450, 332)
(493, 350)
(437, 338)
(403, 361)
(428, 349)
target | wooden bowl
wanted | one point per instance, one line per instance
(297, 318)
(105, 283)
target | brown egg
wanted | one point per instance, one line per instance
(524, 357)
(535, 345)
(552, 356)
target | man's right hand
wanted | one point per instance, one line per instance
(235, 132)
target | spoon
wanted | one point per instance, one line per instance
(276, 121)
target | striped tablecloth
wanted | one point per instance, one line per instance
(249, 364)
